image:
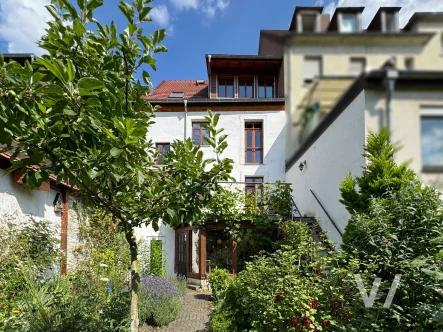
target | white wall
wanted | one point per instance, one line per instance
(18, 204)
(166, 235)
(170, 126)
(335, 153)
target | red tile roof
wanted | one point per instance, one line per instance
(52, 177)
(190, 88)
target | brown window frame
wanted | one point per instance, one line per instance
(201, 123)
(163, 152)
(253, 185)
(245, 79)
(253, 148)
(266, 78)
(225, 79)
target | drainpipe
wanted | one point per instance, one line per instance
(389, 82)
(186, 118)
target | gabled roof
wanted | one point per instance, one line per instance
(191, 89)
(428, 16)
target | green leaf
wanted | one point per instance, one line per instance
(94, 4)
(2, 60)
(115, 151)
(144, 14)
(53, 11)
(146, 78)
(49, 89)
(71, 70)
(140, 177)
(54, 67)
(79, 28)
(127, 10)
(88, 84)
(160, 48)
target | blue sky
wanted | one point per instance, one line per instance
(194, 27)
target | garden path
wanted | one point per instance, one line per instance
(194, 316)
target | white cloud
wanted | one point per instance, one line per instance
(208, 7)
(22, 23)
(160, 15)
(185, 4)
(408, 7)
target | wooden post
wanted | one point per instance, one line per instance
(64, 231)
(234, 257)
(202, 254)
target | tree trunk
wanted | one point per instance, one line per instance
(135, 279)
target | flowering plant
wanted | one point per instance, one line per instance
(160, 299)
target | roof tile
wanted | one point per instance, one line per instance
(190, 88)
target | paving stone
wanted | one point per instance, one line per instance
(194, 316)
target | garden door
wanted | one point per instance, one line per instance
(182, 259)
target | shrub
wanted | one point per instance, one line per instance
(160, 300)
(218, 278)
(34, 297)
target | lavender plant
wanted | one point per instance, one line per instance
(160, 299)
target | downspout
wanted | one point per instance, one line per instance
(186, 118)
(390, 79)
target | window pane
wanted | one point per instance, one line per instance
(249, 91)
(258, 156)
(432, 141)
(269, 93)
(261, 92)
(221, 91)
(167, 148)
(349, 23)
(205, 134)
(249, 156)
(230, 91)
(196, 125)
(249, 139)
(258, 139)
(249, 180)
(196, 137)
(258, 180)
(241, 91)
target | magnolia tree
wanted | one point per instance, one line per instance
(77, 112)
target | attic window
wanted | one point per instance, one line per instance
(309, 23)
(176, 95)
(390, 22)
(349, 23)
(200, 82)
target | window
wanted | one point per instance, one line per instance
(226, 87)
(245, 88)
(254, 184)
(309, 23)
(312, 68)
(254, 142)
(349, 23)
(176, 95)
(409, 63)
(163, 149)
(432, 140)
(265, 87)
(199, 133)
(390, 23)
(357, 66)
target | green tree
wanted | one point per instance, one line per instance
(77, 112)
(380, 175)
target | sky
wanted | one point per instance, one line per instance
(194, 27)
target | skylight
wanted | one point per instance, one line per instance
(176, 95)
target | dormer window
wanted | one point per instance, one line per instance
(390, 22)
(308, 23)
(226, 87)
(265, 87)
(349, 23)
(245, 87)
